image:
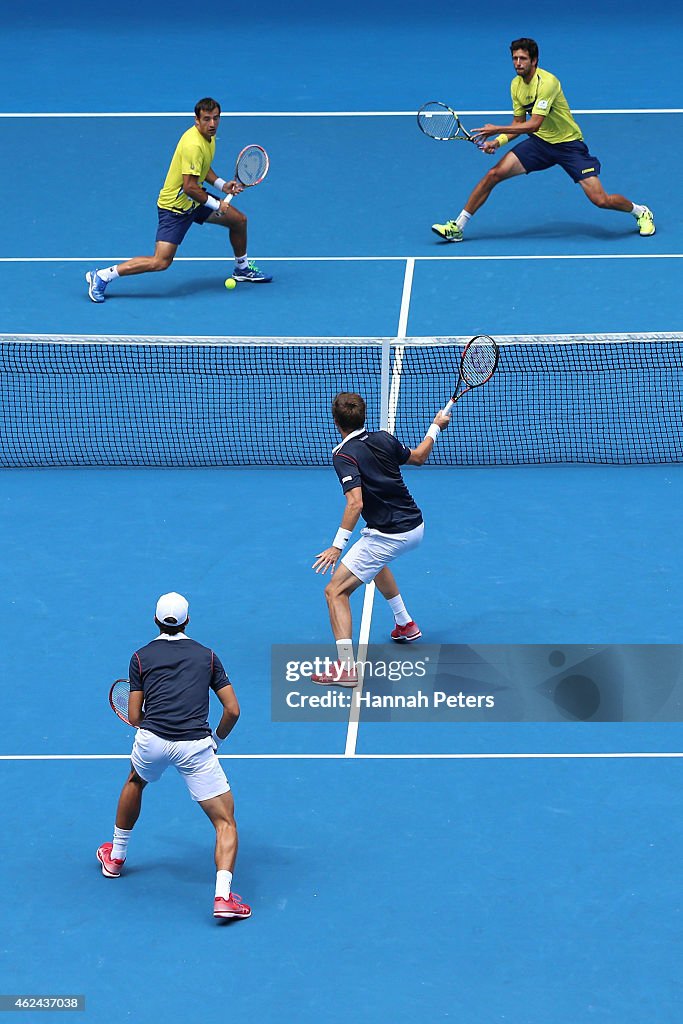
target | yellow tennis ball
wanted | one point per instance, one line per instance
(230, 283)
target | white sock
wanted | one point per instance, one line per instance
(345, 653)
(241, 262)
(121, 837)
(638, 211)
(399, 609)
(462, 218)
(109, 274)
(223, 883)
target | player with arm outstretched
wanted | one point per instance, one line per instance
(541, 112)
(368, 464)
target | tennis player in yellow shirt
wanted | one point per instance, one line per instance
(183, 201)
(540, 111)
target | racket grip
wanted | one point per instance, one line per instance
(449, 405)
(227, 198)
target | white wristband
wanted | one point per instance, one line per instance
(341, 538)
(219, 183)
(212, 203)
(433, 431)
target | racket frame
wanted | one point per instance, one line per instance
(458, 393)
(461, 134)
(228, 198)
(117, 711)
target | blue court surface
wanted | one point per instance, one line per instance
(521, 872)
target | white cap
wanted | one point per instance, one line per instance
(172, 609)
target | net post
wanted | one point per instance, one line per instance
(384, 385)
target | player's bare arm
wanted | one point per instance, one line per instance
(231, 188)
(519, 126)
(328, 558)
(231, 711)
(135, 715)
(419, 455)
(193, 189)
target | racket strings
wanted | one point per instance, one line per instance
(120, 692)
(479, 361)
(252, 165)
(438, 121)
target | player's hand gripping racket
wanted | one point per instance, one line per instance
(440, 122)
(251, 168)
(478, 364)
(118, 698)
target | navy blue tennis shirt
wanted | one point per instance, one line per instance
(372, 462)
(175, 675)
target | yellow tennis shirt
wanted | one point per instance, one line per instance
(543, 95)
(193, 155)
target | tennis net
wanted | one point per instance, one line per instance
(124, 401)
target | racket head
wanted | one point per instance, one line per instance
(440, 122)
(479, 361)
(118, 699)
(252, 165)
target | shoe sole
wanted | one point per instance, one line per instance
(228, 917)
(334, 682)
(250, 280)
(405, 639)
(444, 239)
(98, 302)
(107, 874)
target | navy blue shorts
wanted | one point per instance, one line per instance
(573, 157)
(174, 226)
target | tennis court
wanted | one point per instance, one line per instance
(521, 871)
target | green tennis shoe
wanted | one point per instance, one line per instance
(646, 222)
(450, 232)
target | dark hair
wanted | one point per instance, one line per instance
(348, 410)
(170, 630)
(530, 45)
(206, 104)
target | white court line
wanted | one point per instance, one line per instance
(368, 602)
(352, 259)
(318, 113)
(363, 641)
(405, 302)
(615, 755)
(400, 349)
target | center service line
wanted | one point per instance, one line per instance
(387, 424)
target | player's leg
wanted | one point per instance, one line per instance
(337, 594)
(405, 628)
(509, 167)
(164, 253)
(594, 190)
(98, 280)
(148, 761)
(221, 812)
(130, 801)
(236, 223)
(112, 855)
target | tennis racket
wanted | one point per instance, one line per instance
(118, 698)
(250, 169)
(478, 364)
(440, 122)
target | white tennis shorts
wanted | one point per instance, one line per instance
(373, 550)
(195, 760)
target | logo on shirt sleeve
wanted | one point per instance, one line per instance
(542, 104)
(345, 479)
